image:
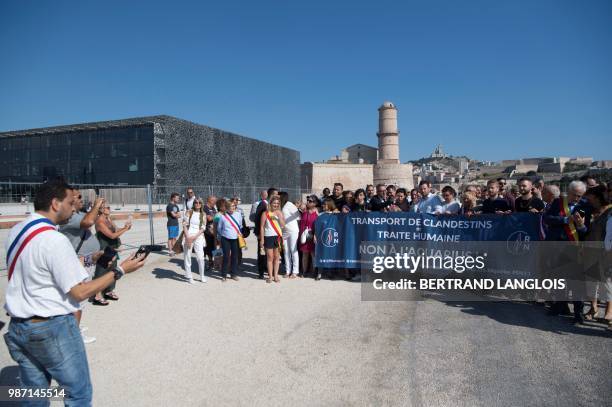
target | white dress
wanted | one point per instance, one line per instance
(193, 227)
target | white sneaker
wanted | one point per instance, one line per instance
(88, 339)
(83, 329)
(191, 281)
(203, 279)
(171, 253)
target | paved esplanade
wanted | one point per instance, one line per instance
(307, 343)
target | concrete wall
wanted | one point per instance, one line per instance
(367, 153)
(525, 168)
(551, 167)
(396, 174)
(316, 176)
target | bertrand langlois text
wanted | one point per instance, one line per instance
(470, 284)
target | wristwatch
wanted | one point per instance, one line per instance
(118, 272)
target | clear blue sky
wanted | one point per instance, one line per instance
(488, 79)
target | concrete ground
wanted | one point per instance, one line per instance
(307, 343)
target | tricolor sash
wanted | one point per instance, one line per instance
(233, 222)
(570, 228)
(276, 228)
(25, 236)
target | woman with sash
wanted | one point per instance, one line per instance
(272, 224)
(228, 231)
(194, 225)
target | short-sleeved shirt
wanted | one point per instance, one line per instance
(525, 205)
(45, 272)
(172, 221)
(72, 230)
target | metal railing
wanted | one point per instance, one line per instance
(135, 196)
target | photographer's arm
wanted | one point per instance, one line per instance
(90, 219)
(83, 291)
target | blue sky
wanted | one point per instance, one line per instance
(487, 79)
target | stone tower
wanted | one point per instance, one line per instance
(388, 169)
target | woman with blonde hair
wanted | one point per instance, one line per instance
(108, 235)
(194, 225)
(272, 223)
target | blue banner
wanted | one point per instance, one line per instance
(339, 235)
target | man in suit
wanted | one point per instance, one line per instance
(567, 219)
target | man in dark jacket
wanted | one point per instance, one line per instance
(379, 202)
(567, 219)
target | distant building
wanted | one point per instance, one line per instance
(359, 164)
(438, 152)
(356, 154)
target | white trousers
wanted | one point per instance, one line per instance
(198, 247)
(292, 258)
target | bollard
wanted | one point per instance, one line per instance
(150, 203)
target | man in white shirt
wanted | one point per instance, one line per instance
(46, 285)
(430, 202)
(188, 205)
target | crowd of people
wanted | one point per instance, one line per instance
(285, 230)
(51, 279)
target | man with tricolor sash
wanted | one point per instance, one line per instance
(567, 220)
(46, 284)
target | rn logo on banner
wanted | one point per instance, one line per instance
(330, 237)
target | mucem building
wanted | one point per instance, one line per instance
(163, 151)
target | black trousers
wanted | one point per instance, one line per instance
(230, 254)
(210, 244)
(262, 262)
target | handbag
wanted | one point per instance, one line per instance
(241, 242)
(246, 231)
(306, 236)
(178, 246)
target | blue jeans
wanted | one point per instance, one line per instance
(51, 349)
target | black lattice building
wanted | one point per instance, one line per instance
(158, 150)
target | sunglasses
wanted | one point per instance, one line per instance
(309, 200)
(197, 203)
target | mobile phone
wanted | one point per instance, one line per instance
(107, 257)
(147, 249)
(143, 249)
(581, 212)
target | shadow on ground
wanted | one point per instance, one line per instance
(528, 315)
